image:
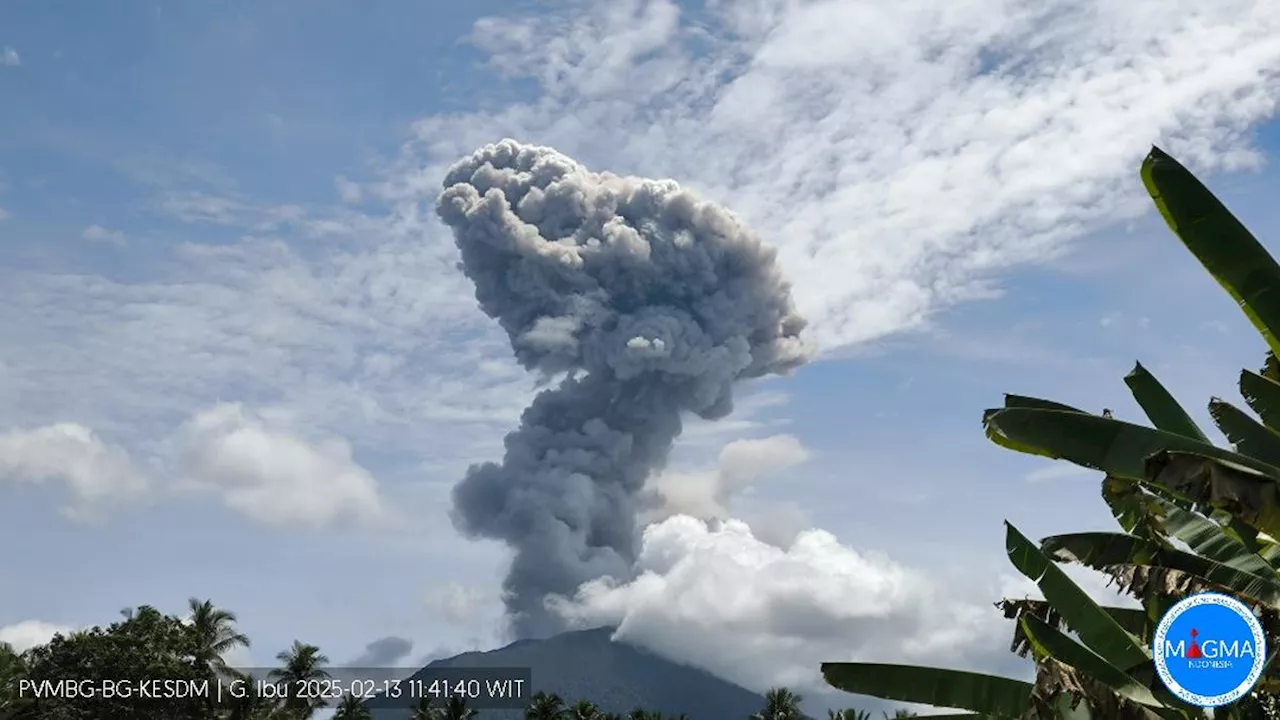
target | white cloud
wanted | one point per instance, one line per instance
(830, 152)
(99, 234)
(5, 214)
(1018, 125)
(789, 610)
(27, 634)
(706, 493)
(201, 207)
(274, 476)
(10, 57)
(348, 191)
(95, 473)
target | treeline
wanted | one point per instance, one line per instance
(146, 645)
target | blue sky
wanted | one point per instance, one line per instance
(238, 363)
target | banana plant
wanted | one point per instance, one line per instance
(1193, 517)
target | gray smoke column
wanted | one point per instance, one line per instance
(650, 302)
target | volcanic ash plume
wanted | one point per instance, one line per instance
(650, 302)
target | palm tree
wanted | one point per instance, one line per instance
(251, 705)
(302, 663)
(12, 667)
(216, 634)
(352, 708)
(545, 706)
(780, 704)
(1194, 516)
(456, 709)
(425, 709)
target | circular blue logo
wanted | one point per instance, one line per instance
(1209, 650)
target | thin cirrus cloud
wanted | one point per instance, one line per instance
(99, 234)
(897, 153)
(1017, 125)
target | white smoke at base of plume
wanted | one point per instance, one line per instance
(764, 608)
(709, 593)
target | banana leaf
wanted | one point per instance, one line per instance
(1022, 401)
(1113, 446)
(1103, 551)
(1160, 406)
(1209, 539)
(1262, 395)
(1050, 642)
(1095, 628)
(1249, 436)
(1222, 484)
(989, 695)
(1231, 254)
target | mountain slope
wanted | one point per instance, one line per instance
(617, 677)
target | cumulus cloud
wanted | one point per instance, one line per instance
(99, 234)
(273, 476)
(10, 57)
(706, 494)
(94, 472)
(30, 633)
(790, 609)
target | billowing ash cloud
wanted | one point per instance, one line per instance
(650, 301)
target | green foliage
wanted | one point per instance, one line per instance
(300, 663)
(147, 644)
(545, 706)
(780, 704)
(1193, 517)
(351, 708)
(424, 709)
(144, 647)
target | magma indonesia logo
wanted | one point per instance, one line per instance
(1209, 650)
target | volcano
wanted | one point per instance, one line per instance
(617, 677)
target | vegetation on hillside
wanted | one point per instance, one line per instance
(146, 644)
(1192, 516)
